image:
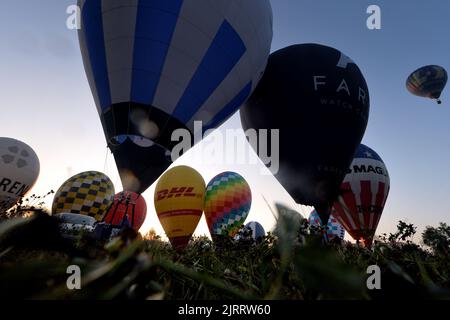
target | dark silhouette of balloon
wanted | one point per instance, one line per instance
(363, 195)
(318, 98)
(158, 66)
(428, 82)
(228, 201)
(127, 205)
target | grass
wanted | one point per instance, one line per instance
(291, 263)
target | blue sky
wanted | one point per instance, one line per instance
(47, 103)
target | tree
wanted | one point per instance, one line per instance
(404, 232)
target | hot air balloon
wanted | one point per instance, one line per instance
(19, 170)
(333, 229)
(179, 200)
(428, 82)
(88, 193)
(156, 66)
(227, 204)
(127, 205)
(363, 195)
(318, 99)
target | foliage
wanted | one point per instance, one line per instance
(292, 263)
(438, 239)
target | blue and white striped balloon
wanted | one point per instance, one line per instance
(155, 66)
(334, 228)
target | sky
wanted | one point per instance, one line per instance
(47, 103)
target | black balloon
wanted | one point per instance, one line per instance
(318, 98)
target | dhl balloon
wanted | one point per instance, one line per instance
(179, 201)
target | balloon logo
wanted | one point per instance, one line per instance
(363, 195)
(158, 66)
(428, 82)
(227, 203)
(19, 170)
(88, 193)
(179, 200)
(334, 228)
(127, 206)
(318, 99)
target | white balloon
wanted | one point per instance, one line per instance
(19, 170)
(74, 218)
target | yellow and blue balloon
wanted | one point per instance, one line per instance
(88, 193)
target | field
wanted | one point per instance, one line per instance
(290, 263)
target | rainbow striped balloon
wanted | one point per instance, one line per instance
(227, 203)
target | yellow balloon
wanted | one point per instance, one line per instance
(179, 201)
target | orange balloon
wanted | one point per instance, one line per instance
(179, 200)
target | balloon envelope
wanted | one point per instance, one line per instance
(318, 99)
(127, 205)
(363, 195)
(19, 170)
(156, 66)
(257, 229)
(428, 82)
(179, 199)
(75, 219)
(88, 193)
(227, 204)
(333, 228)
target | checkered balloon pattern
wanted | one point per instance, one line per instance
(227, 203)
(334, 228)
(89, 193)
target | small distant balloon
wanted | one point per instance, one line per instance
(19, 171)
(179, 200)
(428, 82)
(158, 66)
(130, 206)
(227, 204)
(88, 193)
